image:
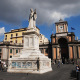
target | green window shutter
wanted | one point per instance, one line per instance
(10, 50)
(16, 51)
(0, 50)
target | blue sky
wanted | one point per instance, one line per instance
(74, 22)
(44, 28)
(14, 14)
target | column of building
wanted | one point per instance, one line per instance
(70, 52)
(54, 53)
(79, 50)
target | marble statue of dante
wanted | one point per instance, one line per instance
(32, 18)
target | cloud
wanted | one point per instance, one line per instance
(2, 31)
(48, 11)
(57, 15)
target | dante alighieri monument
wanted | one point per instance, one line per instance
(30, 59)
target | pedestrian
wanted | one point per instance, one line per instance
(58, 66)
(77, 71)
(54, 63)
(37, 64)
(27, 74)
(4, 66)
(73, 62)
(77, 68)
(1, 66)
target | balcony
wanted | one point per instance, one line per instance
(15, 37)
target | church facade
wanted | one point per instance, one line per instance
(64, 45)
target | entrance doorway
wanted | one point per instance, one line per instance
(63, 50)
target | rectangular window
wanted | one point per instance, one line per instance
(16, 51)
(77, 52)
(0, 57)
(46, 50)
(10, 50)
(11, 35)
(0, 50)
(5, 37)
(16, 34)
(16, 41)
(41, 50)
(11, 41)
(22, 41)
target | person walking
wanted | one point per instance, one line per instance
(1, 66)
(73, 62)
(4, 66)
(58, 66)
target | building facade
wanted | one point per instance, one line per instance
(13, 44)
(16, 36)
(64, 45)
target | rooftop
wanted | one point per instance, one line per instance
(61, 21)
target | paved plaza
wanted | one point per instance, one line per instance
(65, 72)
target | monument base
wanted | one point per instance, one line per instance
(33, 62)
(30, 71)
(31, 67)
(30, 59)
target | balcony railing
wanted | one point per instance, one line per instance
(15, 37)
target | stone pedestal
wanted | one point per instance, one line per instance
(30, 59)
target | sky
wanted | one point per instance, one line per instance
(14, 14)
